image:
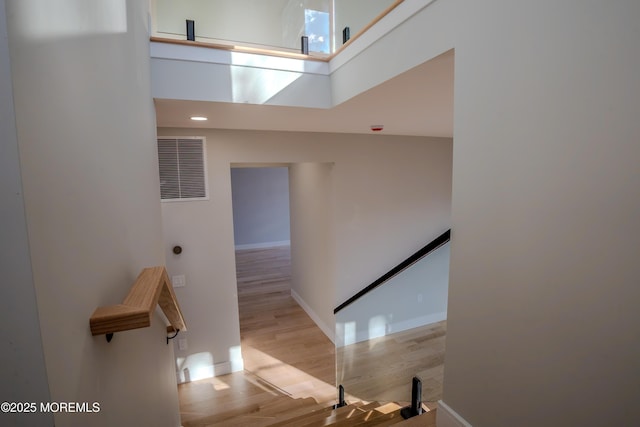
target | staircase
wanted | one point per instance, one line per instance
(358, 414)
(285, 411)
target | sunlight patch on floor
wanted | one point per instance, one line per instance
(286, 378)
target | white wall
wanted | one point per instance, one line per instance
(22, 371)
(390, 195)
(260, 197)
(221, 76)
(312, 263)
(85, 126)
(543, 303)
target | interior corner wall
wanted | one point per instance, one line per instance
(423, 36)
(389, 195)
(86, 137)
(260, 206)
(23, 376)
(543, 302)
(312, 264)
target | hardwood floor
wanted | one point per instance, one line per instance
(280, 342)
(290, 365)
(382, 368)
(288, 360)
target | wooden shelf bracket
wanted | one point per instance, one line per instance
(152, 287)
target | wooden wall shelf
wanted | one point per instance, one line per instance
(152, 287)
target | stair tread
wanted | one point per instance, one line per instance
(296, 413)
(308, 413)
(220, 417)
(372, 415)
(285, 405)
(282, 409)
(348, 417)
(386, 418)
(426, 419)
(311, 417)
(336, 415)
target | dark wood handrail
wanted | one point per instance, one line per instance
(423, 252)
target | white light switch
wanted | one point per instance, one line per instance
(179, 281)
(182, 343)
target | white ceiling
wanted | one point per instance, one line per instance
(418, 102)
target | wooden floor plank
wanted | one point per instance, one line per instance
(382, 369)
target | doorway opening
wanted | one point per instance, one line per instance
(282, 348)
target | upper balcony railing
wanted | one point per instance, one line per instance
(274, 25)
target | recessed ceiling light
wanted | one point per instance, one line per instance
(198, 118)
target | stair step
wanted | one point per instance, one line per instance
(286, 405)
(347, 417)
(315, 416)
(386, 415)
(283, 408)
(374, 416)
(219, 417)
(339, 414)
(426, 419)
(296, 413)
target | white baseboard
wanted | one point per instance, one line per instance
(447, 417)
(392, 328)
(223, 368)
(329, 332)
(211, 371)
(417, 322)
(263, 245)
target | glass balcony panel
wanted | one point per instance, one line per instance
(356, 14)
(396, 332)
(273, 24)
